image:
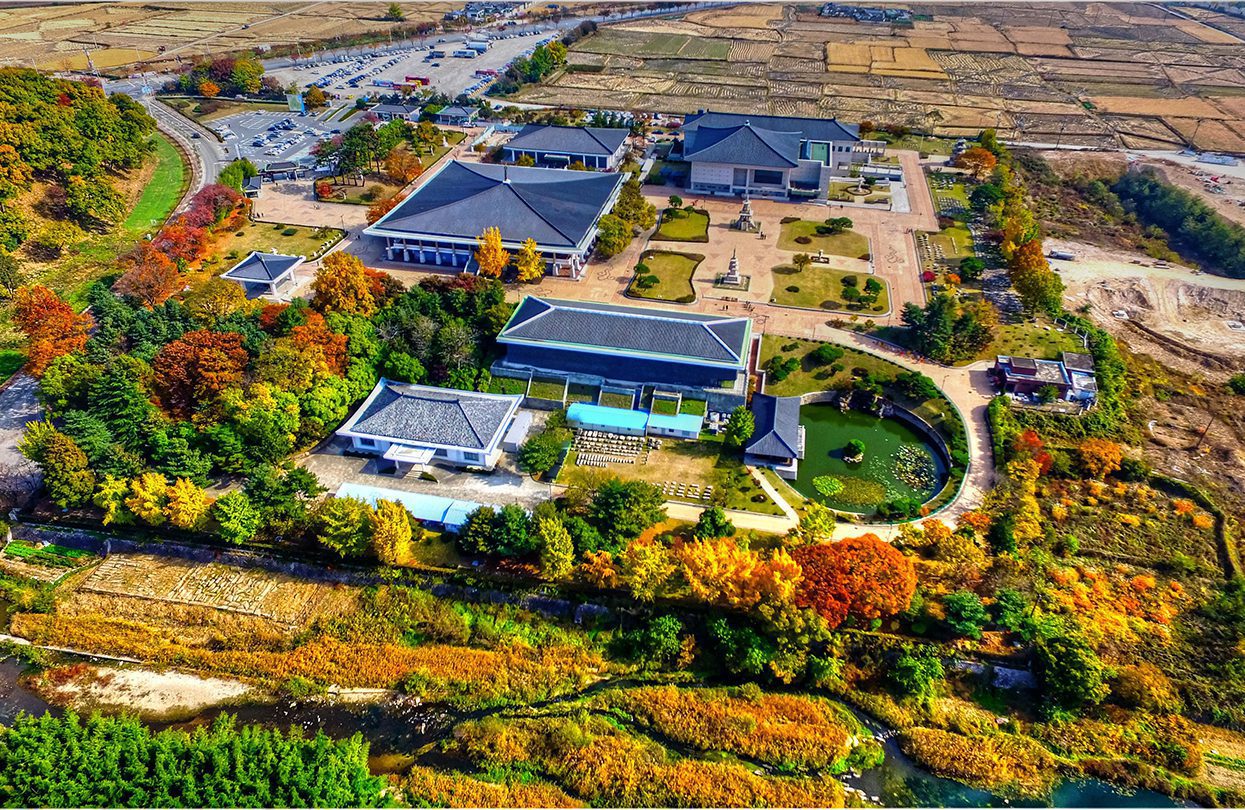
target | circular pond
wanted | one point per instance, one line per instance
(899, 461)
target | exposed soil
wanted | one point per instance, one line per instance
(148, 693)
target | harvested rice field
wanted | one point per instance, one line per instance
(1086, 74)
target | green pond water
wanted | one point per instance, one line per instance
(898, 462)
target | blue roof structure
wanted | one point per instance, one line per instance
(263, 267)
(605, 417)
(601, 141)
(745, 144)
(556, 207)
(449, 512)
(683, 422)
(777, 432)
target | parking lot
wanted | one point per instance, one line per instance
(352, 76)
(267, 136)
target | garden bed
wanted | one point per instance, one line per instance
(847, 243)
(821, 287)
(292, 240)
(668, 278)
(683, 225)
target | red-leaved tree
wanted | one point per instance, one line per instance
(315, 333)
(196, 367)
(51, 326)
(862, 577)
(150, 276)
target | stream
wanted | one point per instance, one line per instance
(399, 726)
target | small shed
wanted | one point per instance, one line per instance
(585, 416)
(517, 434)
(679, 426)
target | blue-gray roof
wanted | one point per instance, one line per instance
(253, 183)
(423, 415)
(811, 129)
(395, 109)
(777, 431)
(556, 207)
(456, 111)
(263, 267)
(600, 141)
(743, 145)
(613, 330)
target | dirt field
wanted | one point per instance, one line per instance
(108, 35)
(1075, 74)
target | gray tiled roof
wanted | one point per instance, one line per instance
(812, 129)
(745, 144)
(777, 432)
(600, 141)
(395, 109)
(263, 267)
(556, 207)
(614, 329)
(456, 111)
(418, 414)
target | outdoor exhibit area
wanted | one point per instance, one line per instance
(898, 463)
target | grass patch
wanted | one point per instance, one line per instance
(673, 273)
(956, 243)
(702, 462)
(613, 399)
(682, 225)
(11, 361)
(271, 237)
(162, 193)
(665, 407)
(547, 389)
(696, 407)
(848, 243)
(1038, 340)
(507, 385)
(812, 377)
(207, 110)
(821, 287)
(578, 392)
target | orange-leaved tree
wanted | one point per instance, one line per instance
(209, 89)
(196, 367)
(491, 256)
(723, 573)
(381, 207)
(150, 276)
(862, 577)
(1100, 457)
(315, 334)
(51, 326)
(342, 285)
(402, 165)
(977, 161)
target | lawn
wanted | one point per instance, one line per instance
(956, 243)
(673, 272)
(683, 225)
(547, 389)
(270, 237)
(613, 399)
(847, 243)
(162, 193)
(578, 392)
(812, 377)
(207, 110)
(821, 287)
(1038, 340)
(688, 462)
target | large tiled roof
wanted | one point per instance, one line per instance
(263, 267)
(629, 331)
(744, 144)
(777, 431)
(395, 109)
(572, 140)
(813, 129)
(422, 415)
(556, 207)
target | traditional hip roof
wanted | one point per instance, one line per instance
(431, 417)
(556, 207)
(810, 129)
(600, 141)
(263, 267)
(743, 145)
(777, 430)
(612, 331)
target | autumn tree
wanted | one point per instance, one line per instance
(66, 474)
(209, 89)
(402, 165)
(721, 572)
(378, 209)
(557, 552)
(1025, 521)
(315, 98)
(1038, 286)
(490, 255)
(51, 327)
(342, 285)
(149, 497)
(529, 262)
(196, 367)
(187, 505)
(391, 532)
(646, 565)
(216, 299)
(816, 523)
(977, 162)
(1100, 457)
(150, 277)
(860, 577)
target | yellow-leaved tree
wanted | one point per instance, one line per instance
(529, 262)
(187, 505)
(391, 532)
(491, 256)
(149, 493)
(342, 285)
(557, 551)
